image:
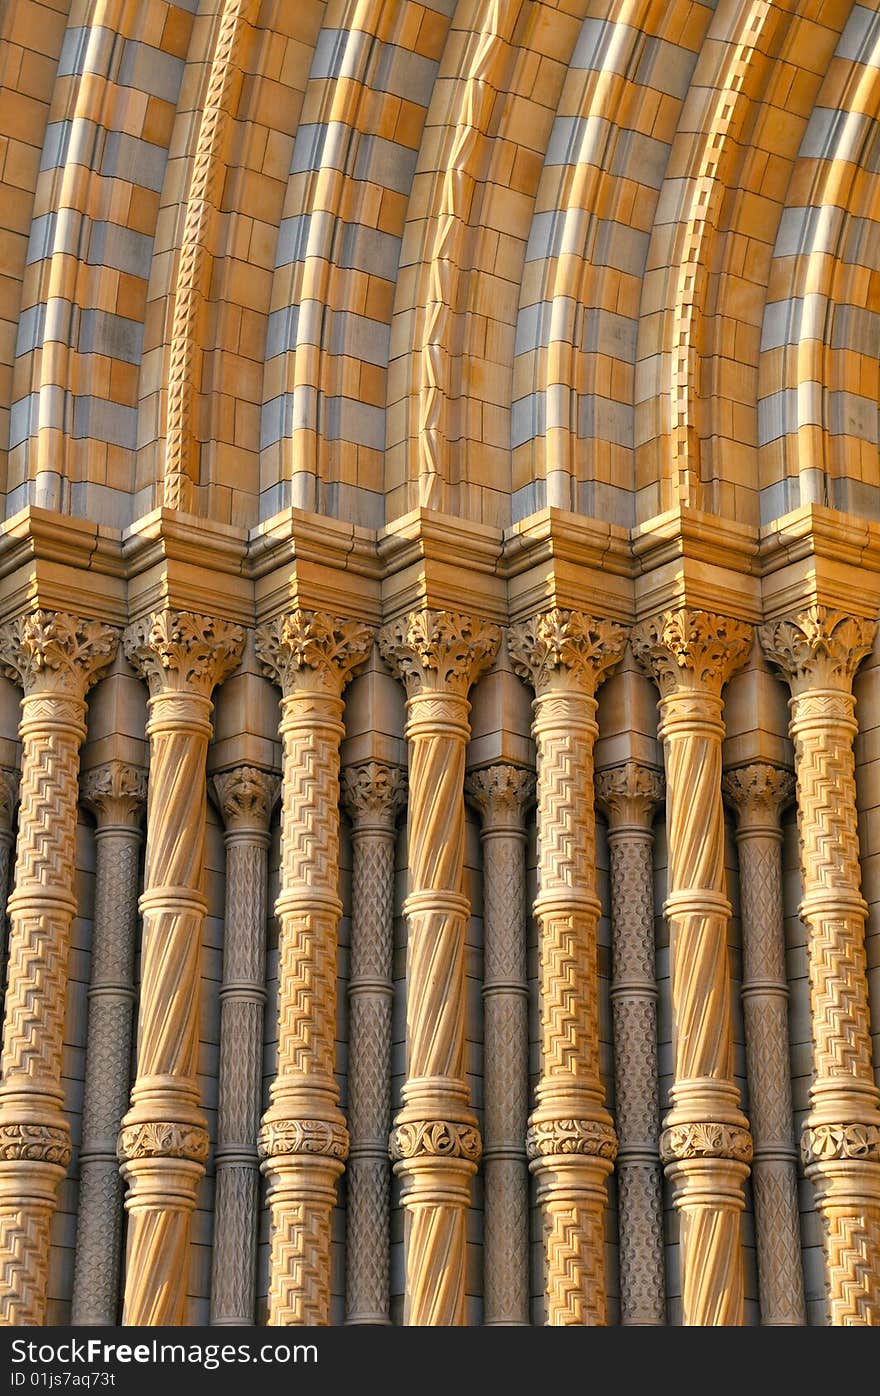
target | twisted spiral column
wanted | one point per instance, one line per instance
(245, 796)
(435, 1144)
(818, 652)
(54, 657)
(705, 1145)
(628, 796)
(502, 794)
(303, 1142)
(8, 802)
(116, 793)
(163, 1142)
(570, 1142)
(759, 793)
(373, 794)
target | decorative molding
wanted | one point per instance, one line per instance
(705, 1140)
(549, 1138)
(821, 1142)
(436, 1139)
(560, 648)
(36, 1143)
(282, 1138)
(439, 651)
(163, 1139)
(312, 650)
(182, 652)
(690, 651)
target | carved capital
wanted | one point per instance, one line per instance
(55, 652)
(629, 794)
(502, 794)
(9, 781)
(282, 1138)
(245, 797)
(759, 792)
(565, 649)
(690, 651)
(821, 1143)
(312, 650)
(182, 652)
(547, 1138)
(115, 792)
(162, 1139)
(705, 1140)
(818, 648)
(374, 792)
(36, 1143)
(434, 1139)
(439, 651)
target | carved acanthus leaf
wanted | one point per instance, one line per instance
(706, 1140)
(116, 792)
(53, 651)
(182, 652)
(246, 796)
(840, 1141)
(163, 1139)
(593, 1138)
(281, 1138)
(439, 651)
(629, 794)
(819, 648)
(373, 791)
(36, 1143)
(565, 649)
(437, 1138)
(690, 651)
(759, 791)
(312, 650)
(501, 793)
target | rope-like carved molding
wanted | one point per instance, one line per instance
(437, 1138)
(310, 649)
(840, 1141)
(183, 652)
(545, 1138)
(36, 1143)
(706, 1140)
(282, 1138)
(565, 648)
(53, 651)
(819, 648)
(162, 1139)
(690, 650)
(439, 651)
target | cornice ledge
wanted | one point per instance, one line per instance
(570, 537)
(294, 535)
(170, 534)
(52, 561)
(690, 558)
(815, 555)
(429, 560)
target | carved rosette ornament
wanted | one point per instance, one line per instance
(8, 802)
(570, 1142)
(503, 794)
(373, 794)
(54, 657)
(163, 1142)
(303, 1141)
(818, 652)
(116, 793)
(245, 797)
(628, 795)
(759, 793)
(691, 655)
(438, 655)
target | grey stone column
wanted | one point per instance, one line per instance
(245, 797)
(116, 794)
(8, 801)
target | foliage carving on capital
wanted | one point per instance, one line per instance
(565, 649)
(312, 650)
(630, 793)
(183, 652)
(53, 651)
(819, 648)
(501, 793)
(690, 651)
(439, 651)
(374, 790)
(759, 790)
(246, 796)
(115, 792)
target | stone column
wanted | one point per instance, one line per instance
(571, 1141)
(116, 794)
(628, 795)
(819, 652)
(303, 1141)
(435, 1144)
(502, 794)
(8, 801)
(245, 797)
(54, 657)
(373, 794)
(759, 793)
(705, 1144)
(163, 1143)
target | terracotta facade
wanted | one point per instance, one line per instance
(440, 697)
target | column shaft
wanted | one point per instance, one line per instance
(706, 1144)
(116, 793)
(8, 802)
